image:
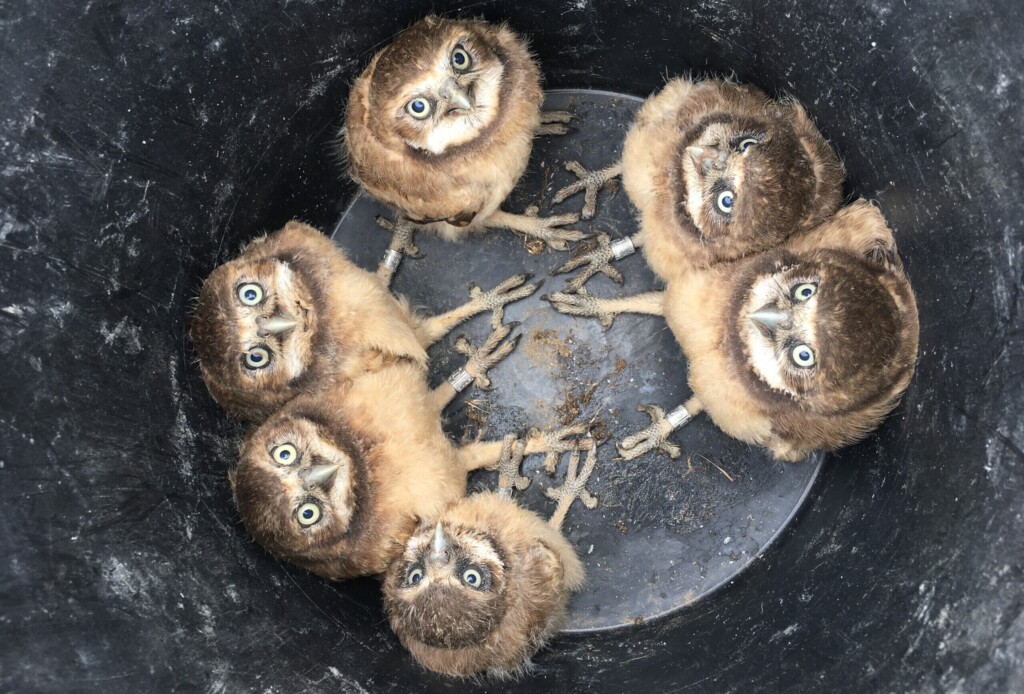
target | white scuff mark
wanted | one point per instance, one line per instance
(1002, 82)
(129, 334)
(125, 582)
(15, 310)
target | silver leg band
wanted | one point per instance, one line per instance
(460, 380)
(622, 248)
(678, 417)
(392, 259)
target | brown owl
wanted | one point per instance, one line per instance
(336, 481)
(292, 314)
(718, 171)
(441, 123)
(805, 347)
(482, 588)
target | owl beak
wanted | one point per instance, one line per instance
(771, 318)
(456, 96)
(438, 548)
(275, 325)
(321, 475)
(707, 158)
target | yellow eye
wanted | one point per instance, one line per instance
(461, 60)
(414, 576)
(804, 291)
(725, 201)
(803, 356)
(257, 358)
(250, 293)
(472, 578)
(285, 454)
(308, 514)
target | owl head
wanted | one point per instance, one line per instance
(477, 590)
(255, 326)
(439, 84)
(302, 489)
(823, 330)
(744, 180)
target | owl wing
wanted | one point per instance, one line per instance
(828, 169)
(859, 229)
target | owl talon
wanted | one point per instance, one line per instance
(553, 122)
(591, 182)
(581, 303)
(597, 256)
(543, 228)
(574, 486)
(401, 244)
(654, 436)
(495, 300)
(479, 360)
(512, 453)
(554, 443)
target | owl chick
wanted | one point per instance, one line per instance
(806, 347)
(441, 123)
(717, 171)
(292, 314)
(483, 587)
(336, 481)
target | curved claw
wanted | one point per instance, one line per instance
(509, 462)
(483, 358)
(580, 303)
(590, 181)
(597, 256)
(652, 437)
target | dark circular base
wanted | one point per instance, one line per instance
(667, 532)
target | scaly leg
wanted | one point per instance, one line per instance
(543, 228)
(590, 181)
(583, 304)
(432, 329)
(574, 486)
(655, 436)
(553, 122)
(552, 444)
(597, 256)
(401, 243)
(480, 360)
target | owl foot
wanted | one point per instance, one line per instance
(483, 358)
(581, 303)
(554, 443)
(543, 228)
(509, 462)
(401, 243)
(511, 290)
(591, 181)
(574, 486)
(656, 435)
(553, 122)
(597, 256)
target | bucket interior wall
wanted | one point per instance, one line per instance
(143, 143)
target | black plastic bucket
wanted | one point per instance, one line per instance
(142, 143)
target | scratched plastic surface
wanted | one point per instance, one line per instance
(141, 143)
(667, 532)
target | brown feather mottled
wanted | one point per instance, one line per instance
(861, 324)
(453, 167)
(347, 322)
(396, 467)
(529, 571)
(787, 180)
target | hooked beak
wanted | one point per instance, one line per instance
(771, 318)
(275, 325)
(321, 475)
(707, 158)
(456, 96)
(438, 548)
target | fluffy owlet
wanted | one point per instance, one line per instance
(484, 586)
(336, 481)
(717, 171)
(292, 314)
(805, 347)
(441, 123)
